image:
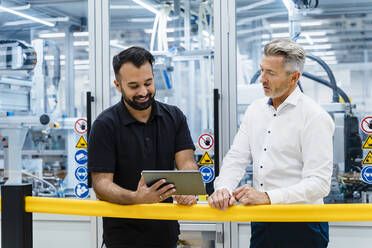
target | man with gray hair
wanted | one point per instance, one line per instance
(288, 138)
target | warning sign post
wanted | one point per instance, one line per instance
(368, 158)
(205, 141)
(367, 143)
(206, 160)
(82, 143)
(81, 126)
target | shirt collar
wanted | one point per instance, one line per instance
(127, 118)
(291, 99)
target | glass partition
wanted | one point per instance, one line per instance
(180, 35)
(44, 76)
(337, 41)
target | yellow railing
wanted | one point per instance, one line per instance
(202, 212)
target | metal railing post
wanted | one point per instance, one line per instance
(16, 224)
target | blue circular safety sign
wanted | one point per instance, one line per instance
(81, 157)
(366, 174)
(81, 190)
(81, 173)
(207, 173)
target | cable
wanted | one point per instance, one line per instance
(41, 180)
(329, 73)
(331, 84)
(328, 84)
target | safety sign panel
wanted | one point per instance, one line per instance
(366, 125)
(207, 173)
(81, 157)
(368, 158)
(367, 143)
(206, 160)
(82, 143)
(206, 141)
(81, 126)
(81, 190)
(81, 173)
(366, 174)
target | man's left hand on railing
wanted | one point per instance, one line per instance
(185, 199)
(250, 196)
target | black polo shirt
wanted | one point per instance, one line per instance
(120, 144)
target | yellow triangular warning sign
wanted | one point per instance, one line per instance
(82, 143)
(368, 143)
(206, 159)
(368, 158)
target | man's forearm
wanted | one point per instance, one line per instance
(111, 192)
(188, 165)
(185, 160)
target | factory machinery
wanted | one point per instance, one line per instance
(35, 141)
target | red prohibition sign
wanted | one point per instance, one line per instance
(205, 141)
(81, 126)
(366, 125)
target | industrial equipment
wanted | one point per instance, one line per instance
(31, 150)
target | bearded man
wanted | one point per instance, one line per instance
(138, 133)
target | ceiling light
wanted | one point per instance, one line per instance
(81, 43)
(303, 24)
(24, 22)
(147, 6)
(311, 23)
(327, 53)
(81, 62)
(81, 67)
(320, 40)
(141, 20)
(80, 34)
(129, 7)
(280, 35)
(314, 33)
(61, 35)
(51, 57)
(115, 43)
(279, 25)
(19, 7)
(52, 35)
(286, 34)
(169, 30)
(35, 19)
(328, 58)
(318, 47)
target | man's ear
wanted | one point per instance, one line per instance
(295, 77)
(117, 85)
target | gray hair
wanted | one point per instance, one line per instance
(294, 54)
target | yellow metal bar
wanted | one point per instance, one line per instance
(202, 212)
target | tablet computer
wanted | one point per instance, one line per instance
(187, 182)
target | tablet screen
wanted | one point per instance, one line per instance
(187, 182)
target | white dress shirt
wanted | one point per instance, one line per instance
(291, 150)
